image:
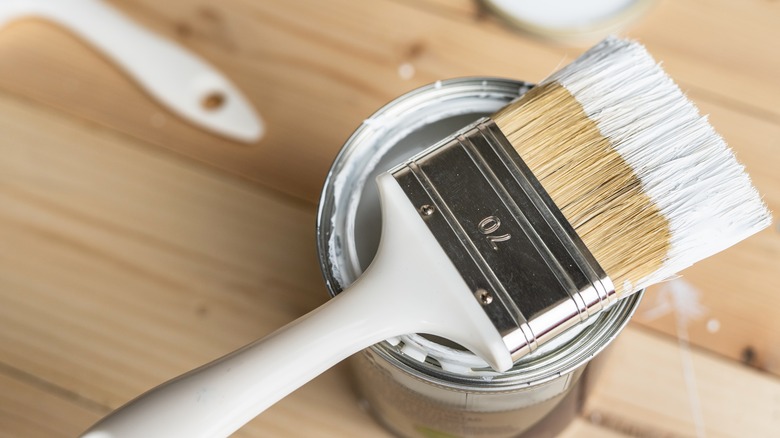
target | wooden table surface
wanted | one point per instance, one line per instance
(134, 246)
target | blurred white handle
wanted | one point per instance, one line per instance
(410, 288)
(177, 78)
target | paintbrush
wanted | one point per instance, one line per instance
(600, 181)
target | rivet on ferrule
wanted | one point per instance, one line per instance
(427, 210)
(483, 296)
(513, 247)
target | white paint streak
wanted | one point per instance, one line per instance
(683, 299)
(713, 325)
(406, 71)
(373, 123)
(414, 351)
(689, 373)
(680, 297)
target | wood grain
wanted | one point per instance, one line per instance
(122, 267)
(653, 387)
(134, 246)
(718, 50)
(106, 291)
(32, 409)
(584, 429)
(332, 76)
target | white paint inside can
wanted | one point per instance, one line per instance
(411, 381)
(349, 220)
(368, 217)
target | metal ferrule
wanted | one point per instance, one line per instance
(513, 247)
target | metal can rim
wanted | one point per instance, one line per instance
(528, 372)
(450, 87)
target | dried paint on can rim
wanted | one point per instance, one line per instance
(419, 386)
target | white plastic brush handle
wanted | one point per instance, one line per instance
(411, 287)
(175, 77)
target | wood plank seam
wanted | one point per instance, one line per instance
(706, 352)
(155, 149)
(704, 95)
(615, 423)
(52, 388)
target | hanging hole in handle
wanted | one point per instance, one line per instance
(213, 101)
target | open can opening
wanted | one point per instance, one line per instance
(421, 386)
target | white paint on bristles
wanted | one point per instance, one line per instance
(684, 165)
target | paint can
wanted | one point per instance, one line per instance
(425, 387)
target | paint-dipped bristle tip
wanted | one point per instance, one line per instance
(645, 180)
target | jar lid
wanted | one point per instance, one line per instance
(569, 21)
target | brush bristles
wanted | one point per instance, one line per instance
(647, 183)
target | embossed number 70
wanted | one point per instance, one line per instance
(490, 225)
